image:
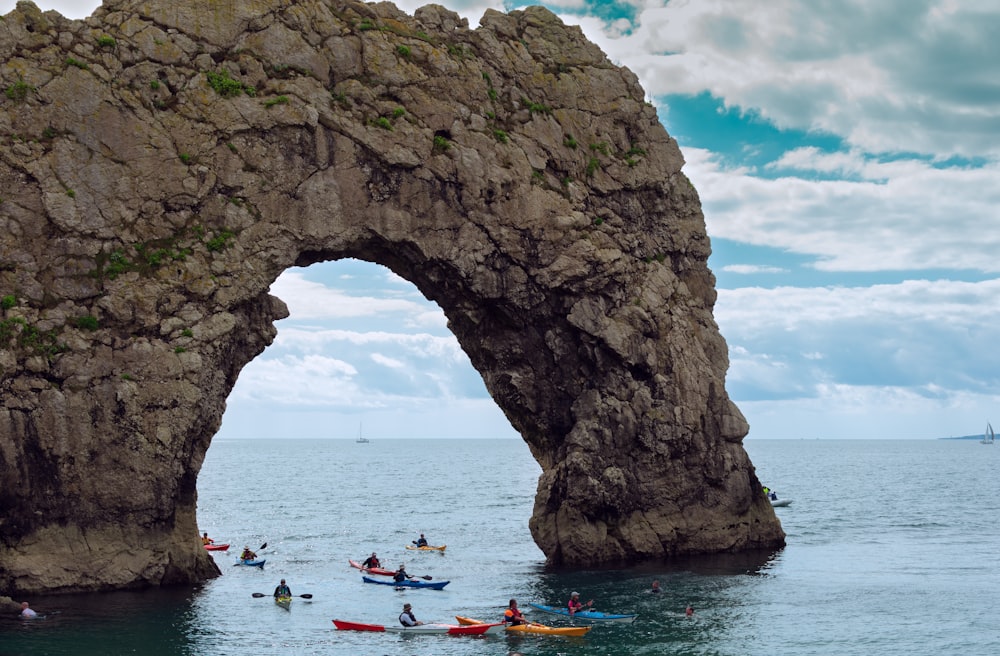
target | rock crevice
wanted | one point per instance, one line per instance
(162, 163)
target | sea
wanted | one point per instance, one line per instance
(892, 548)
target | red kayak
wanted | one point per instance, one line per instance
(439, 629)
(372, 570)
(217, 547)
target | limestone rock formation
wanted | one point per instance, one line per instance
(9, 607)
(163, 161)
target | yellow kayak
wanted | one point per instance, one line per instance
(531, 627)
(284, 602)
(415, 548)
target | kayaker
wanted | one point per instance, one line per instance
(282, 590)
(406, 618)
(205, 539)
(656, 587)
(371, 561)
(689, 611)
(574, 604)
(513, 614)
(421, 541)
(400, 574)
(247, 554)
(26, 612)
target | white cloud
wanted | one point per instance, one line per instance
(385, 361)
(309, 380)
(893, 76)
(920, 218)
(312, 300)
(832, 355)
(752, 268)
(316, 340)
(753, 310)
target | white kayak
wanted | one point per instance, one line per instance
(778, 503)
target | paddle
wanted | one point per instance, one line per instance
(426, 577)
(258, 595)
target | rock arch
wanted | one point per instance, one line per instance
(161, 165)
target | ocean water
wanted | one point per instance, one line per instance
(892, 549)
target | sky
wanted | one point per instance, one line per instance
(847, 155)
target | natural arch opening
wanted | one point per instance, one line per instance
(162, 181)
(361, 348)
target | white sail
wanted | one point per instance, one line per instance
(988, 436)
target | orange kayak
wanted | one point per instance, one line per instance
(531, 627)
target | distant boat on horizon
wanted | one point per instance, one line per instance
(361, 439)
(988, 436)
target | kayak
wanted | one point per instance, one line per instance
(589, 615)
(371, 570)
(284, 602)
(217, 547)
(433, 585)
(532, 627)
(412, 547)
(251, 563)
(780, 503)
(439, 629)
(449, 629)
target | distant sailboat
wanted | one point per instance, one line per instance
(361, 439)
(988, 435)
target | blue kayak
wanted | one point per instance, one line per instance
(589, 615)
(251, 563)
(433, 585)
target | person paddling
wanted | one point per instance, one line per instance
(282, 590)
(574, 604)
(371, 561)
(400, 574)
(406, 618)
(247, 554)
(513, 614)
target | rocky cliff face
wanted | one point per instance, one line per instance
(163, 161)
